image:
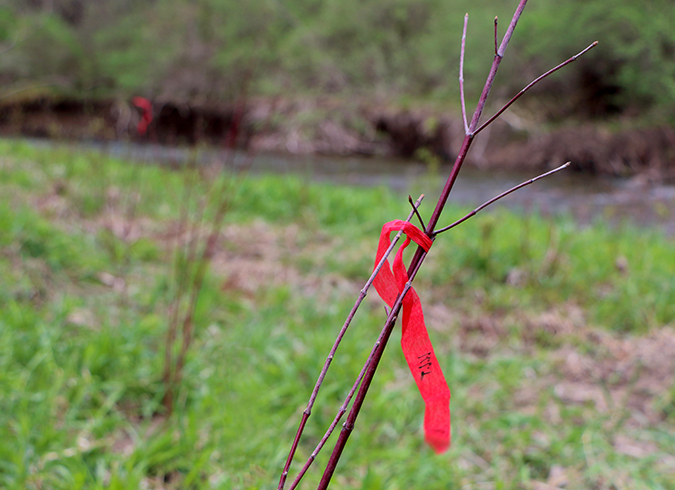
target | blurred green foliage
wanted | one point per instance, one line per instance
(633, 67)
(212, 49)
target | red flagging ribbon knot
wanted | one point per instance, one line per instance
(415, 342)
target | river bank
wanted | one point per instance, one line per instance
(328, 126)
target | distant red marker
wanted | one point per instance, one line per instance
(146, 106)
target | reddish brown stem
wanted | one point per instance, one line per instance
(416, 211)
(341, 411)
(375, 357)
(417, 259)
(532, 84)
(496, 36)
(461, 74)
(497, 198)
(307, 412)
(366, 376)
(495, 66)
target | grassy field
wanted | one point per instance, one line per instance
(557, 342)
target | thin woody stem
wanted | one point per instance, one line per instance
(374, 359)
(341, 411)
(497, 198)
(499, 55)
(343, 408)
(468, 139)
(512, 27)
(307, 412)
(367, 374)
(417, 260)
(461, 74)
(416, 211)
(532, 84)
(496, 36)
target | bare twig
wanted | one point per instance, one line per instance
(416, 211)
(307, 412)
(497, 198)
(499, 55)
(196, 285)
(461, 74)
(496, 36)
(341, 411)
(468, 139)
(532, 84)
(363, 381)
(349, 425)
(417, 259)
(374, 359)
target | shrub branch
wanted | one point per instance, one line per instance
(498, 197)
(532, 84)
(365, 377)
(308, 411)
(461, 73)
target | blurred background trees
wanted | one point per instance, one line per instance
(394, 50)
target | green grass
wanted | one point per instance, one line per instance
(80, 362)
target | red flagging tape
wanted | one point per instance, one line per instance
(146, 106)
(415, 342)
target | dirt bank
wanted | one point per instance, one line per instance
(337, 128)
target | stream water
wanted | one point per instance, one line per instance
(585, 197)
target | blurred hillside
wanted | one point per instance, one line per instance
(399, 51)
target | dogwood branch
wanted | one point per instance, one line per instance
(497, 198)
(461, 74)
(532, 84)
(308, 411)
